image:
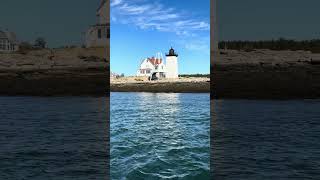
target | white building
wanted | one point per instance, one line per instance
(150, 67)
(98, 35)
(8, 41)
(172, 64)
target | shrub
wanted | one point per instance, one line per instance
(40, 43)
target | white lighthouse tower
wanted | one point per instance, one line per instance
(172, 64)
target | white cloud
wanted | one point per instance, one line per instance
(155, 16)
(197, 44)
(115, 2)
(133, 9)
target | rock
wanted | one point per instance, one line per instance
(64, 73)
(278, 75)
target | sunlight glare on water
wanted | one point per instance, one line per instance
(160, 135)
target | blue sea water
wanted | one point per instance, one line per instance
(67, 138)
(160, 136)
(259, 139)
(53, 138)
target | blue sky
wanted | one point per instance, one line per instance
(141, 28)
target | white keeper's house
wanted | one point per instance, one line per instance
(98, 35)
(155, 66)
(8, 41)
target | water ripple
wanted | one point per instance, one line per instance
(160, 136)
(53, 138)
(260, 139)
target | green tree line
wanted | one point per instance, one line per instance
(279, 44)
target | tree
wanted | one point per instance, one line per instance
(40, 43)
(279, 44)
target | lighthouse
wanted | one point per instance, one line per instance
(172, 64)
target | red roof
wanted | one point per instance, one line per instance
(155, 61)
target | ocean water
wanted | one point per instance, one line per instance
(265, 139)
(160, 136)
(67, 138)
(53, 138)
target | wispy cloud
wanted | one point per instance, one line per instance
(115, 2)
(199, 44)
(202, 46)
(151, 15)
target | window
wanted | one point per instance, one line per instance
(148, 71)
(108, 33)
(99, 33)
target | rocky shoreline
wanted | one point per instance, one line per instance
(181, 85)
(71, 82)
(61, 72)
(258, 74)
(265, 74)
